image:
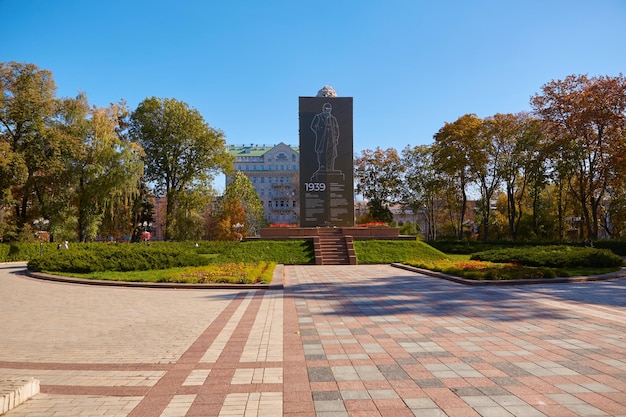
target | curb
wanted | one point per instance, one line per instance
(14, 392)
(563, 280)
(276, 284)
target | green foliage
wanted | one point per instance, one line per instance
(240, 195)
(19, 251)
(388, 251)
(410, 229)
(552, 256)
(378, 178)
(469, 247)
(95, 257)
(618, 247)
(182, 152)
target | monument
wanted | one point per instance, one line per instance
(326, 160)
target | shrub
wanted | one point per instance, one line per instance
(22, 251)
(552, 257)
(128, 257)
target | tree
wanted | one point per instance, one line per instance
(378, 175)
(27, 107)
(586, 118)
(422, 185)
(241, 197)
(181, 150)
(454, 150)
(105, 169)
(515, 144)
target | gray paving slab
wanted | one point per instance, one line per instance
(335, 341)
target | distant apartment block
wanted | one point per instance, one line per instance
(274, 173)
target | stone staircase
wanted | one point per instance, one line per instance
(332, 247)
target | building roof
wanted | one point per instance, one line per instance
(255, 150)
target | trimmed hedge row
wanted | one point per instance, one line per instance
(98, 257)
(463, 247)
(553, 257)
(16, 252)
(101, 257)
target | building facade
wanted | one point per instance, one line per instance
(274, 173)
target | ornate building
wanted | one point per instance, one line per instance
(274, 173)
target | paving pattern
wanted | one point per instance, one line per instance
(337, 341)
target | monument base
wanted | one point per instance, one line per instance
(357, 233)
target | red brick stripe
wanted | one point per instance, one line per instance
(164, 390)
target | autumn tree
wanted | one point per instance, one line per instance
(182, 151)
(241, 205)
(455, 152)
(522, 167)
(105, 168)
(27, 108)
(586, 118)
(422, 186)
(378, 176)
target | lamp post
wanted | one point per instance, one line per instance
(144, 228)
(237, 228)
(41, 224)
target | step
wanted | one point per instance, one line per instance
(15, 391)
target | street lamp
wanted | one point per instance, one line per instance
(145, 231)
(238, 227)
(41, 224)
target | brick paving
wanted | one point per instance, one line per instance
(336, 341)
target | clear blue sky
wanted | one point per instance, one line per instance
(410, 65)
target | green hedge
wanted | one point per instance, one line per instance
(464, 247)
(14, 252)
(126, 257)
(553, 257)
(98, 257)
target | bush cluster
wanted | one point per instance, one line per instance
(552, 257)
(128, 257)
(469, 247)
(22, 251)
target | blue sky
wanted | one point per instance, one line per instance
(410, 65)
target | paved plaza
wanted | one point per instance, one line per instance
(336, 341)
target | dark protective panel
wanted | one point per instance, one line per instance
(326, 162)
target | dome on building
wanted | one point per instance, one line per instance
(327, 91)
